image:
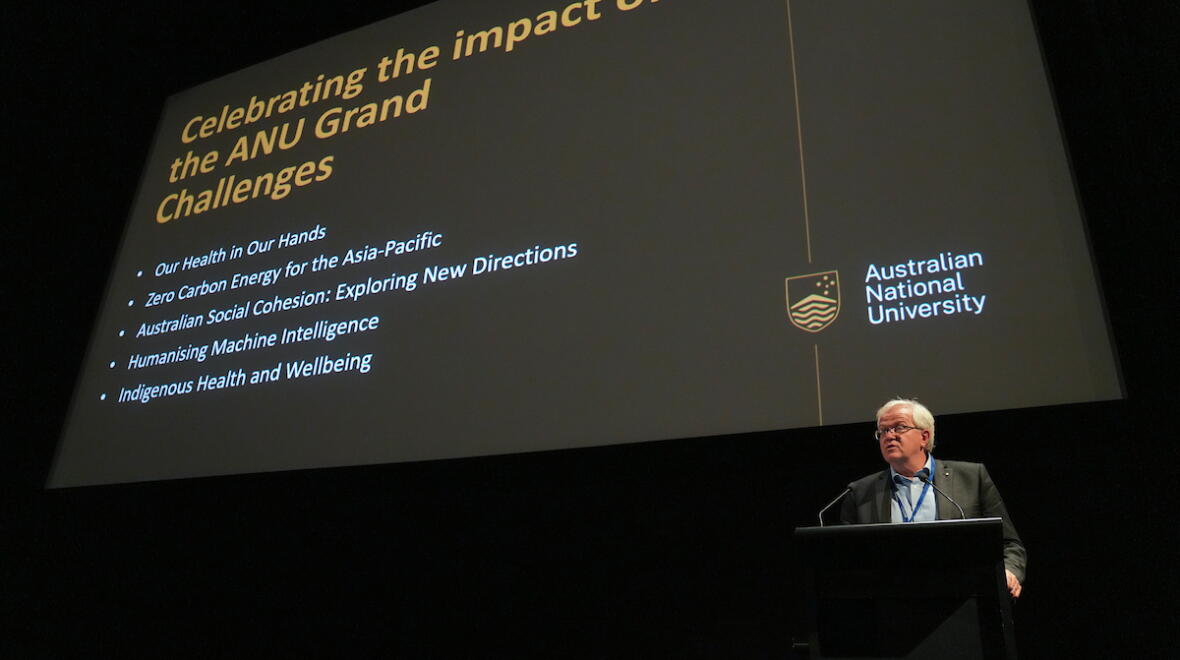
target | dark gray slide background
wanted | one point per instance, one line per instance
(664, 142)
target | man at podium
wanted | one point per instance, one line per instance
(918, 487)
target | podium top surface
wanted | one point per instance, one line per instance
(966, 526)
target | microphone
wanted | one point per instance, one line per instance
(847, 489)
(923, 475)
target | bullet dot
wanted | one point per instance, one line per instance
(102, 397)
(120, 333)
(139, 274)
(112, 365)
(130, 303)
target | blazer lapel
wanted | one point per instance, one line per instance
(944, 478)
(884, 498)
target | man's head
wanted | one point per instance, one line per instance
(905, 431)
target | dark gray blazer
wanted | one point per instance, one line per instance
(967, 483)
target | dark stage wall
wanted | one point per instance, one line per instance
(670, 549)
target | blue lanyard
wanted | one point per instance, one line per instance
(925, 488)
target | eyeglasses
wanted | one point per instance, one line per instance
(899, 429)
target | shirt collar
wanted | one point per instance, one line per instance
(893, 474)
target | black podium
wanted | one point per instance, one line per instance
(917, 590)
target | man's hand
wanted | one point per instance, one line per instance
(1013, 584)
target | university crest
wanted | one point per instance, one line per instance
(813, 301)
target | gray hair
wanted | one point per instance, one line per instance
(921, 415)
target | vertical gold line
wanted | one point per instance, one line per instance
(819, 395)
(799, 132)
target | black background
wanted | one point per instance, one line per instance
(678, 548)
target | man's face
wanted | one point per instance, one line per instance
(902, 449)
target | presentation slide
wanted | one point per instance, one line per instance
(485, 228)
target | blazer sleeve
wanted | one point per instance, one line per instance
(992, 505)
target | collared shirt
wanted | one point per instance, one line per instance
(905, 495)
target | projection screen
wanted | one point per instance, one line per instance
(484, 228)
